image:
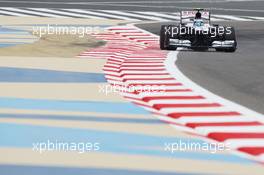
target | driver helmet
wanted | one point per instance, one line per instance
(198, 15)
(198, 23)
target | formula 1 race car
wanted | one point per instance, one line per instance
(196, 32)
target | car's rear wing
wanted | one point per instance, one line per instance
(188, 16)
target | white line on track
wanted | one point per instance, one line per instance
(175, 72)
(167, 16)
(230, 17)
(87, 13)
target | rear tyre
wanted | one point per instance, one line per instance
(164, 39)
(172, 48)
(231, 36)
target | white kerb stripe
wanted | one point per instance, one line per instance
(187, 110)
(236, 129)
(164, 94)
(151, 81)
(238, 143)
(191, 101)
(215, 119)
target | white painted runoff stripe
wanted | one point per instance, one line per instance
(134, 15)
(107, 15)
(255, 17)
(87, 13)
(61, 12)
(3, 11)
(111, 14)
(165, 16)
(231, 17)
(33, 12)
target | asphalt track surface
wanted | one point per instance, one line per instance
(235, 76)
(230, 7)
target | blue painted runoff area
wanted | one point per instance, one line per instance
(15, 32)
(83, 118)
(4, 30)
(70, 105)
(25, 136)
(44, 170)
(9, 74)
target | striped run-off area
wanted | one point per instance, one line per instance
(135, 60)
(12, 37)
(110, 14)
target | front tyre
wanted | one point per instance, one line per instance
(231, 36)
(220, 49)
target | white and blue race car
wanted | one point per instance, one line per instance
(196, 32)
